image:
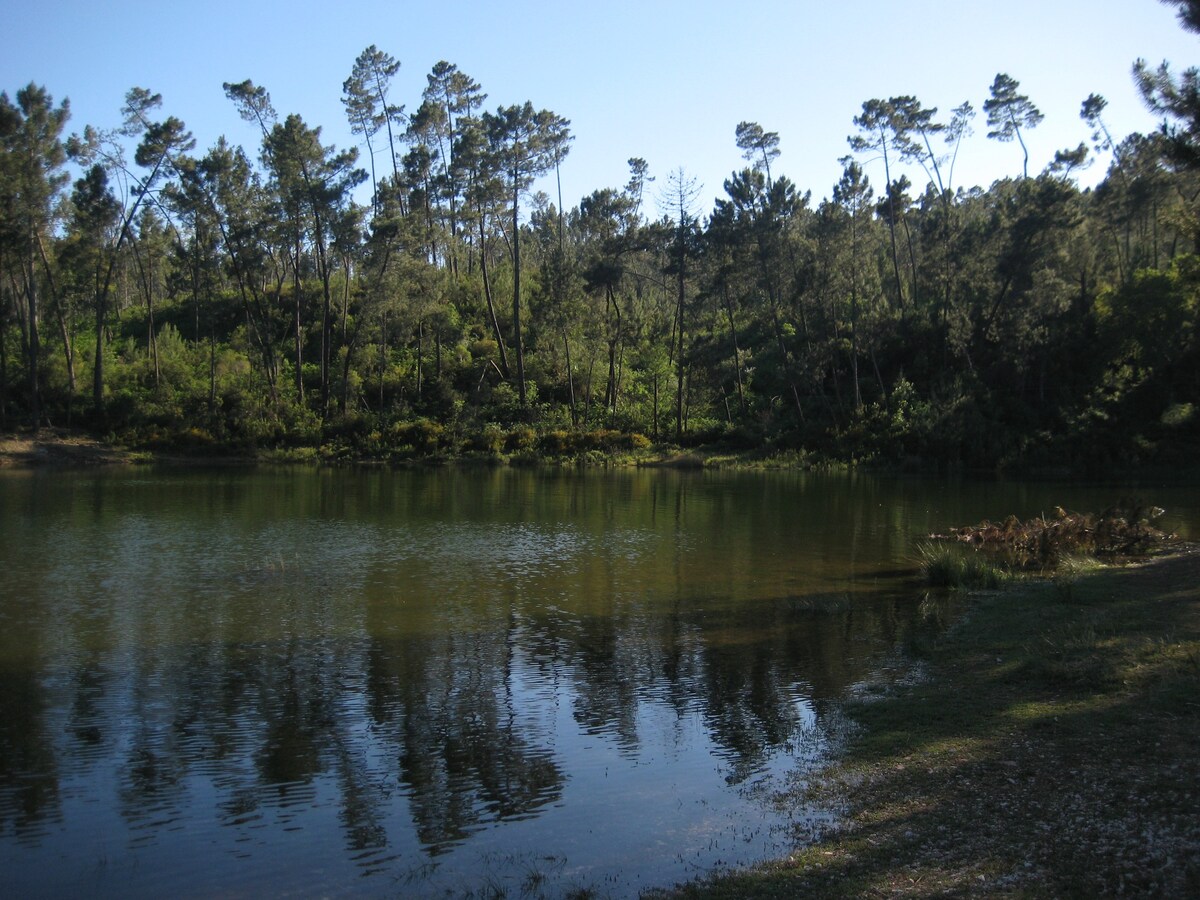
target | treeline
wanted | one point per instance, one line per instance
(433, 303)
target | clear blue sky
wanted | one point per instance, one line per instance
(667, 81)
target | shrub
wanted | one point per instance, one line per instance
(423, 436)
(489, 440)
(520, 438)
(557, 442)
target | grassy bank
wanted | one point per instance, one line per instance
(1052, 751)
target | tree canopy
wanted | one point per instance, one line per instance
(241, 298)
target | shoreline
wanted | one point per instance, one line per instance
(76, 448)
(1051, 751)
(59, 447)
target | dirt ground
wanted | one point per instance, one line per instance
(57, 446)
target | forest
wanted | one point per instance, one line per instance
(421, 299)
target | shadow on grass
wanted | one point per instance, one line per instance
(1052, 753)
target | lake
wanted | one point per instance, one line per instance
(520, 682)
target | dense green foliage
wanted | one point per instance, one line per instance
(229, 303)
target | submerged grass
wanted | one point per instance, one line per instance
(1050, 752)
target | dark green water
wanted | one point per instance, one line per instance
(248, 683)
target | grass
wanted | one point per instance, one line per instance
(952, 566)
(1051, 753)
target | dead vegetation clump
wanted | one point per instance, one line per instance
(1124, 530)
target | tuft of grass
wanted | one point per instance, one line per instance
(948, 565)
(1067, 572)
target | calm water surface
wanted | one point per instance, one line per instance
(297, 682)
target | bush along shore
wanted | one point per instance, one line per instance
(1048, 750)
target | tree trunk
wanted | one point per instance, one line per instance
(491, 305)
(98, 365)
(587, 398)
(212, 367)
(344, 393)
(420, 354)
(912, 260)
(737, 352)
(570, 378)
(326, 273)
(887, 176)
(64, 332)
(3, 369)
(382, 358)
(516, 245)
(654, 408)
(297, 325)
(679, 355)
(35, 349)
(786, 358)
(146, 275)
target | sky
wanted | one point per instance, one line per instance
(663, 80)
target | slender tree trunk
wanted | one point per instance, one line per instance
(35, 348)
(64, 332)
(1155, 231)
(854, 368)
(737, 352)
(297, 325)
(887, 175)
(654, 408)
(98, 363)
(787, 365)
(570, 378)
(620, 376)
(912, 259)
(879, 377)
(212, 366)
(382, 358)
(610, 390)
(387, 119)
(345, 299)
(371, 156)
(854, 310)
(420, 353)
(3, 368)
(610, 383)
(103, 286)
(516, 245)
(195, 307)
(146, 275)
(679, 372)
(687, 406)
(491, 305)
(587, 400)
(1024, 149)
(325, 271)
(344, 393)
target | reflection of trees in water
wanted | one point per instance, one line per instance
(444, 702)
(427, 714)
(442, 710)
(29, 792)
(746, 669)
